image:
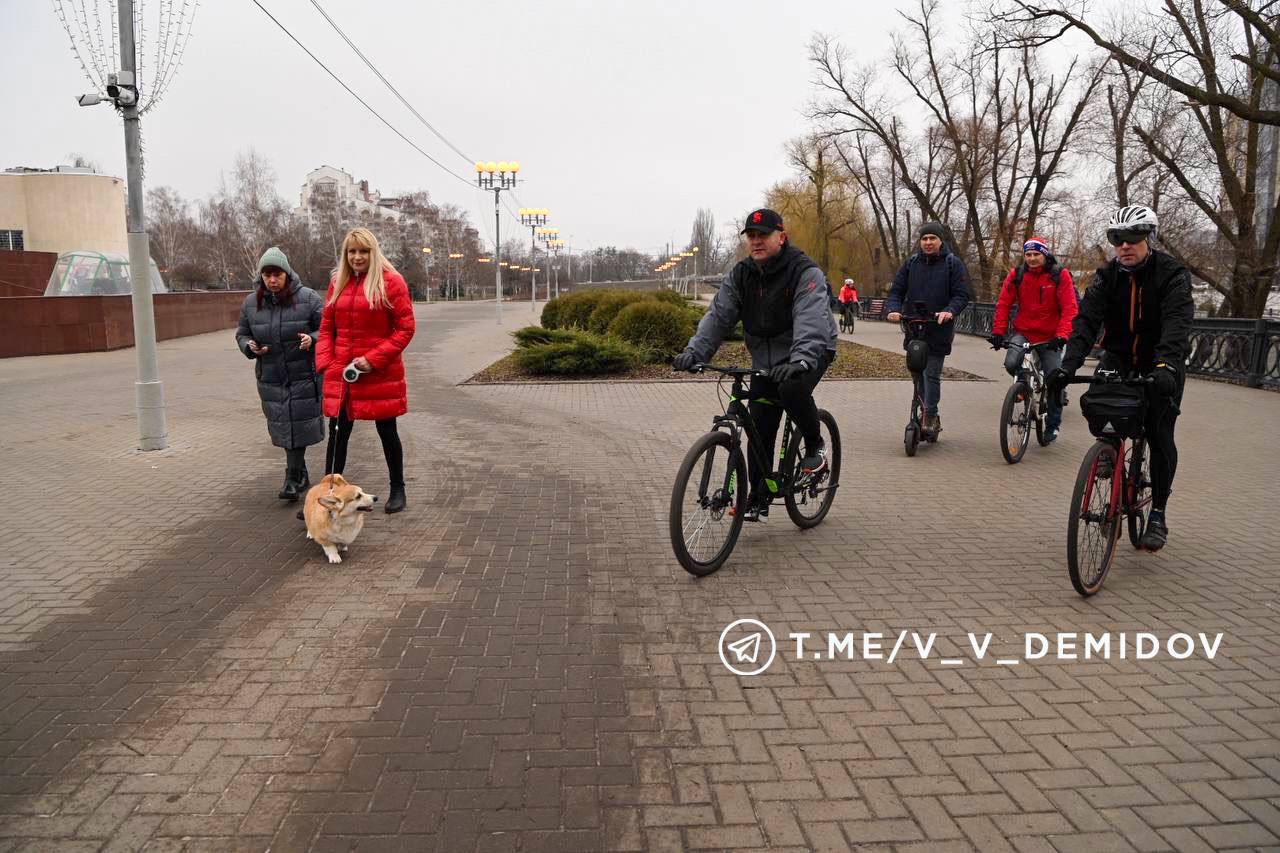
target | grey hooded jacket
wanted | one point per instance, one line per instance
(288, 386)
(762, 297)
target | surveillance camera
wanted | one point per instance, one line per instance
(91, 100)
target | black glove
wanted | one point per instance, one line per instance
(996, 341)
(1058, 344)
(684, 361)
(1164, 381)
(785, 372)
(1057, 378)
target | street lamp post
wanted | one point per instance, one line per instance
(456, 269)
(427, 262)
(497, 177)
(550, 239)
(533, 217)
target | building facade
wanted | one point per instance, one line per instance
(61, 210)
(329, 193)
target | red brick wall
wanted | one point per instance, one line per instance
(25, 273)
(64, 324)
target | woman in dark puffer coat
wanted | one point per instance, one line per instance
(366, 324)
(279, 322)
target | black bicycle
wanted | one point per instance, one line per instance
(1026, 404)
(848, 314)
(709, 497)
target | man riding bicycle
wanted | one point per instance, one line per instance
(1142, 303)
(781, 296)
(939, 279)
(848, 301)
(1046, 298)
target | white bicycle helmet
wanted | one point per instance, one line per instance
(1135, 217)
(848, 281)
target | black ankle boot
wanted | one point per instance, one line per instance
(304, 482)
(289, 491)
(395, 503)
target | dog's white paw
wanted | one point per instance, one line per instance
(334, 558)
(342, 548)
(308, 534)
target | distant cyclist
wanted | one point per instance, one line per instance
(1046, 300)
(781, 296)
(849, 301)
(1141, 301)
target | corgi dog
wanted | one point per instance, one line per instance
(334, 513)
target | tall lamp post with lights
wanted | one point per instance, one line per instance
(497, 177)
(549, 236)
(454, 267)
(427, 261)
(555, 245)
(533, 218)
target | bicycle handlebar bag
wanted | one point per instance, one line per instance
(917, 355)
(1114, 410)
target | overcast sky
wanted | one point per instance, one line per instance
(625, 116)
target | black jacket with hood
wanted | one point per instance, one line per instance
(1144, 315)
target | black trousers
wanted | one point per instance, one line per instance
(340, 434)
(1159, 424)
(796, 398)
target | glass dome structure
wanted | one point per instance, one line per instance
(88, 273)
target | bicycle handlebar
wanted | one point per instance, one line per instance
(1087, 380)
(728, 371)
(1030, 346)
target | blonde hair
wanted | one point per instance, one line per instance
(375, 289)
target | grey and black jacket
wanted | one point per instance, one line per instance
(288, 386)
(784, 308)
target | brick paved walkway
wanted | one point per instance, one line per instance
(517, 663)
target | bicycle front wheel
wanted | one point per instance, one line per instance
(707, 503)
(809, 497)
(1015, 426)
(1094, 525)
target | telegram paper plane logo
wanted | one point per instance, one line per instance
(743, 656)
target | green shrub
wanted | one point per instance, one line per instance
(671, 296)
(551, 313)
(658, 328)
(737, 334)
(583, 355)
(576, 313)
(531, 335)
(608, 307)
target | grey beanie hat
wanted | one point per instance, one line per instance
(274, 257)
(931, 227)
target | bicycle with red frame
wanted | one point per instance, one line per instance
(1113, 484)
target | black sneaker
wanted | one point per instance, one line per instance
(1156, 534)
(1050, 435)
(816, 462)
(757, 511)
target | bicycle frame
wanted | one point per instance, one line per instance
(737, 419)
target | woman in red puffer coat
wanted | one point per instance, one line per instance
(366, 324)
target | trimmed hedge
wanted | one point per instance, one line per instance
(582, 355)
(668, 296)
(658, 328)
(576, 313)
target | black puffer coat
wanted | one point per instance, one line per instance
(288, 385)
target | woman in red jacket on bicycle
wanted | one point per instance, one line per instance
(1046, 298)
(366, 324)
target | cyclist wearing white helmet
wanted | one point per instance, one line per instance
(1141, 303)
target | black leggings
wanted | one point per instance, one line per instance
(1159, 424)
(340, 434)
(796, 399)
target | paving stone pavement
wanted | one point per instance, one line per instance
(518, 663)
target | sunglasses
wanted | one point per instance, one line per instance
(1133, 238)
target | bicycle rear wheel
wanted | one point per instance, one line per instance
(1015, 426)
(809, 499)
(707, 502)
(1137, 462)
(1094, 525)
